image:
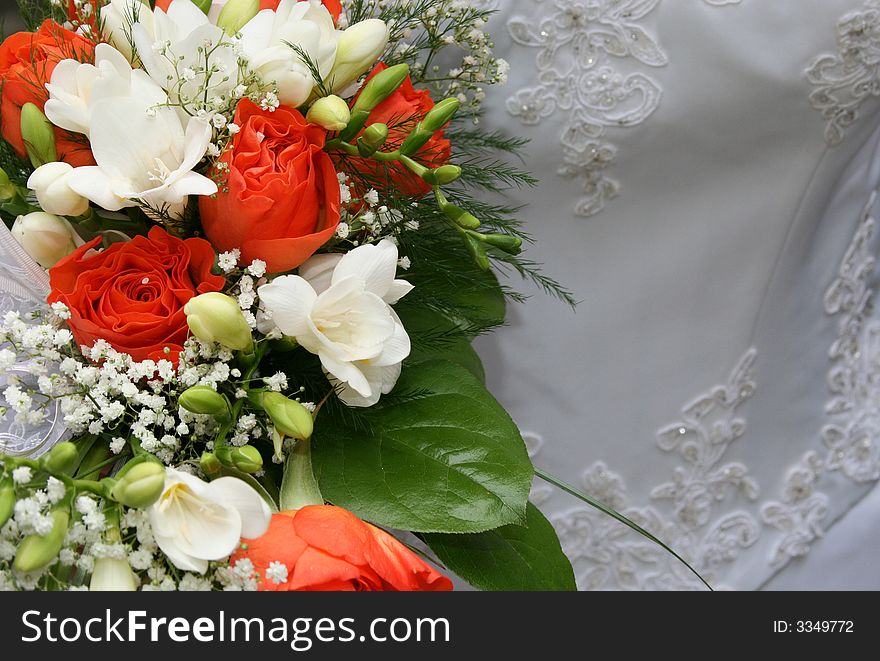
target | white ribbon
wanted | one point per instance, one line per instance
(24, 286)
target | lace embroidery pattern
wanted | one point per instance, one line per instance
(581, 48)
(844, 80)
(585, 49)
(852, 438)
(608, 556)
(800, 513)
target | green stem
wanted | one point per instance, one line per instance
(91, 486)
(352, 150)
(229, 425)
(602, 507)
(299, 487)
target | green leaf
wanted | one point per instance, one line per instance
(441, 456)
(508, 558)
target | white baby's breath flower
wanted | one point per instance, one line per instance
(22, 474)
(55, 489)
(227, 261)
(257, 268)
(277, 572)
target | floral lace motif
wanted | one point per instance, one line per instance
(852, 438)
(584, 50)
(607, 555)
(581, 46)
(843, 81)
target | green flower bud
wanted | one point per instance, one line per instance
(381, 86)
(377, 89)
(372, 140)
(246, 458)
(62, 459)
(442, 176)
(235, 14)
(7, 190)
(477, 251)
(36, 551)
(140, 485)
(204, 400)
(460, 217)
(436, 119)
(38, 135)
(216, 317)
(509, 244)
(7, 500)
(209, 464)
(289, 417)
(415, 140)
(440, 115)
(329, 112)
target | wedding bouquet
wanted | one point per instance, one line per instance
(244, 255)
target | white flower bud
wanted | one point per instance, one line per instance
(46, 238)
(117, 18)
(358, 50)
(216, 317)
(51, 184)
(330, 112)
(112, 575)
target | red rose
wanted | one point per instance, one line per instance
(333, 6)
(282, 202)
(329, 548)
(401, 111)
(132, 294)
(27, 60)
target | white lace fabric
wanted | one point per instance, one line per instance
(722, 230)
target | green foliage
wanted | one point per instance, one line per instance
(508, 558)
(34, 12)
(448, 460)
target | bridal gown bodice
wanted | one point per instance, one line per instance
(708, 174)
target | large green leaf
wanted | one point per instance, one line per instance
(441, 456)
(509, 558)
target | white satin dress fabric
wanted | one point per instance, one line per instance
(708, 172)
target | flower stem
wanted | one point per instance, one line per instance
(254, 364)
(299, 486)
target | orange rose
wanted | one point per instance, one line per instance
(401, 111)
(132, 294)
(282, 202)
(329, 548)
(333, 6)
(27, 60)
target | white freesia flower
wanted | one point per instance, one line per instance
(117, 19)
(266, 39)
(51, 183)
(145, 157)
(112, 575)
(183, 39)
(195, 521)
(45, 237)
(358, 49)
(339, 308)
(75, 87)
